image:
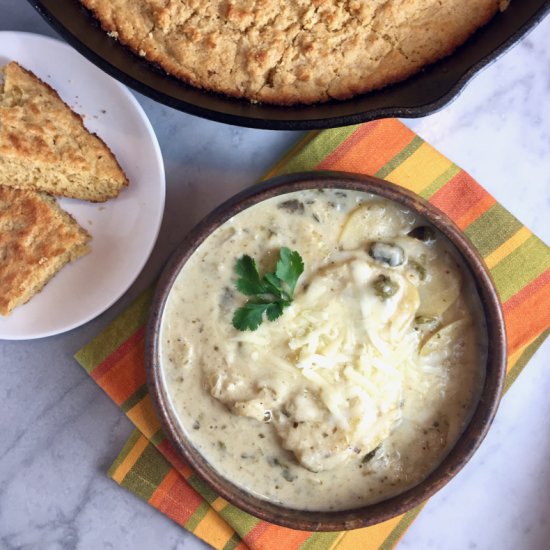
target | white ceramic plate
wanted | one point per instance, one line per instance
(124, 230)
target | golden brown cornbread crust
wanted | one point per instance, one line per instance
(37, 238)
(297, 51)
(45, 146)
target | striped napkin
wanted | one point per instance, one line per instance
(519, 263)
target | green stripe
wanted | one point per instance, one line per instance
(147, 473)
(318, 541)
(317, 150)
(440, 181)
(242, 522)
(116, 333)
(198, 515)
(232, 543)
(492, 229)
(520, 267)
(202, 488)
(523, 359)
(290, 154)
(134, 399)
(128, 446)
(400, 158)
(158, 437)
(400, 528)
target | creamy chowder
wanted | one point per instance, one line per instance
(363, 384)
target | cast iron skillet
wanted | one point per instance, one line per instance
(418, 96)
(466, 444)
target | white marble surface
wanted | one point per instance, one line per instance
(59, 432)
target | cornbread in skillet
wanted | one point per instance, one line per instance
(37, 238)
(44, 145)
(299, 51)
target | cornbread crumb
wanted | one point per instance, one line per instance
(296, 51)
(37, 238)
(45, 146)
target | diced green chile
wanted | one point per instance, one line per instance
(385, 287)
(287, 475)
(425, 321)
(292, 206)
(369, 456)
(423, 233)
(387, 253)
(419, 268)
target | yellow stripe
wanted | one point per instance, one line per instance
(512, 359)
(369, 538)
(213, 529)
(419, 170)
(131, 458)
(144, 417)
(516, 240)
(219, 504)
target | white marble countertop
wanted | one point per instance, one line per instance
(60, 432)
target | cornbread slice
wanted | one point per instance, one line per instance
(37, 238)
(44, 145)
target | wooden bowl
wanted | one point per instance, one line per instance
(465, 446)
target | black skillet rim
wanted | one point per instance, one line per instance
(142, 76)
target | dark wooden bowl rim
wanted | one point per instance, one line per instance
(465, 446)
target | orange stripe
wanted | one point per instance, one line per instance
(124, 377)
(371, 150)
(288, 539)
(120, 352)
(535, 285)
(164, 487)
(529, 317)
(476, 211)
(255, 533)
(351, 142)
(459, 196)
(175, 498)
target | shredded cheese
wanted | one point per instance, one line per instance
(348, 346)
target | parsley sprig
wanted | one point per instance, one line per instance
(270, 293)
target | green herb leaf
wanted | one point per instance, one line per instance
(275, 310)
(273, 283)
(289, 268)
(249, 281)
(249, 317)
(272, 293)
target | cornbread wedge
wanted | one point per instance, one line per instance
(44, 145)
(37, 238)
